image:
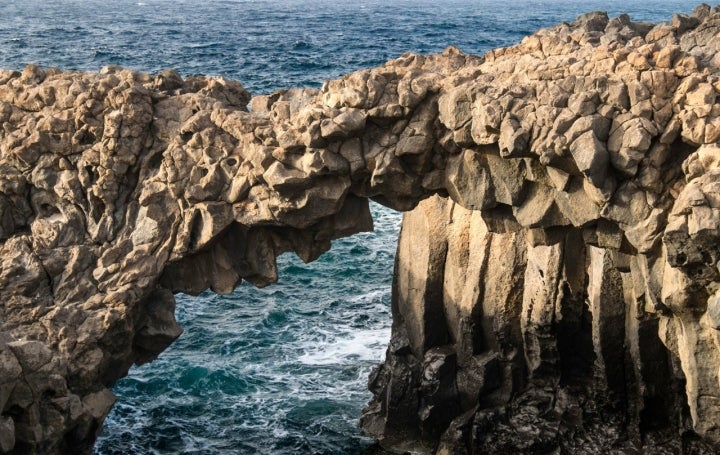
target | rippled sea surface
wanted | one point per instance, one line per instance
(280, 370)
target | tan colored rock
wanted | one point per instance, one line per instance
(414, 288)
(591, 157)
(513, 140)
(539, 209)
(118, 189)
(469, 181)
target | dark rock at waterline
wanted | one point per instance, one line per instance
(562, 300)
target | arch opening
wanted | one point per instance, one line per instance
(278, 369)
(564, 144)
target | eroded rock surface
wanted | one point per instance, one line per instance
(529, 342)
(578, 255)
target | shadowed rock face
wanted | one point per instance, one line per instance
(566, 294)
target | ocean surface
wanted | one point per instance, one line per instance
(279, 370)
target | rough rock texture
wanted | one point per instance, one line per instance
(566, 298)
(569, 295)
(527, 342)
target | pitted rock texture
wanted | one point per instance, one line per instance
(119, 189)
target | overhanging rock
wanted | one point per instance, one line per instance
(119, 189)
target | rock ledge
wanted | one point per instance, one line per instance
(566, 297)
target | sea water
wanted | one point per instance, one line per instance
(283, 369)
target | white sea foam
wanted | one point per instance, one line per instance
(371, 296)
(348, 348)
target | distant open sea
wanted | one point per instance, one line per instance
(280, 370)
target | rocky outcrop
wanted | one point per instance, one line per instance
(527, 342)
(565, 301)
(567, 295)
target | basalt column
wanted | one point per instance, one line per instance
(527, 341)
(568, 296)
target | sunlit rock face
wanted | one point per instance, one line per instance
(565, 295)
(529, 341)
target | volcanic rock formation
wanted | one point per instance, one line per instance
(566, 296)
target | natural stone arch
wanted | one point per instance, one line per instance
(118, 189)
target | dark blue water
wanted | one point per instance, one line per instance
(283, 369)
(274, 44)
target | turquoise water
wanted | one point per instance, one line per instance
(283, 369)
(275, 370)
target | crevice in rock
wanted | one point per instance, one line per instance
(566, 296)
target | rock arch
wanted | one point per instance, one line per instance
(119, 189)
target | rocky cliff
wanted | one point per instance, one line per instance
(566, 296)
